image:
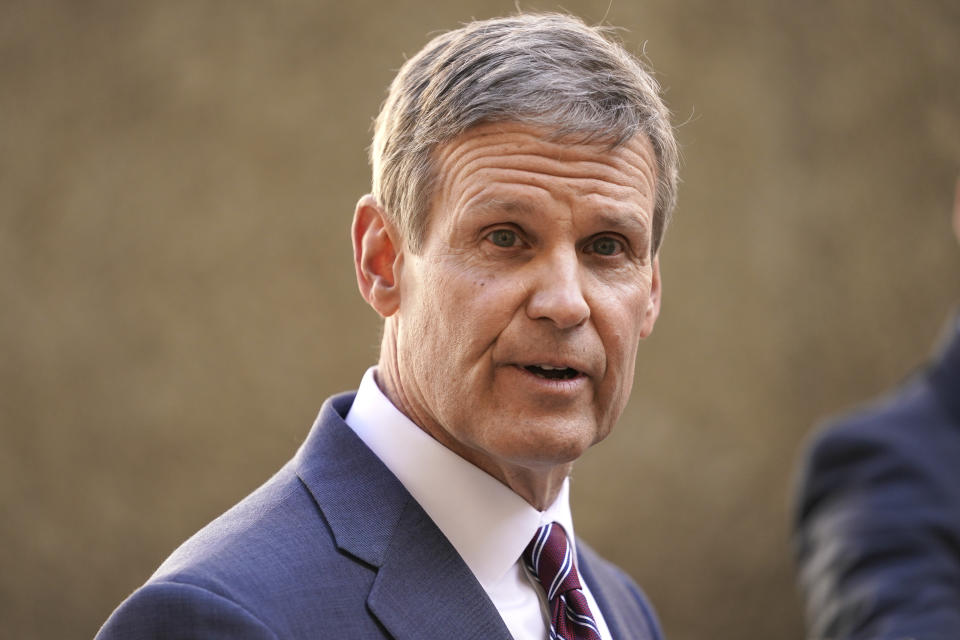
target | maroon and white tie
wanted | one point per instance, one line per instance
(549, 559)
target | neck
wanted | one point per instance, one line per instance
(538, 489)
(537, 484)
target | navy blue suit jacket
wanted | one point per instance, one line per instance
(333, 546)
(878, 522)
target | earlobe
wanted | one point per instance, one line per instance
(652, 312)
(377, 257)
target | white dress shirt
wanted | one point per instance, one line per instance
(491, 534)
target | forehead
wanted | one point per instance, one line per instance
(514, 163)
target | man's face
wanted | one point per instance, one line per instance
(519, 319)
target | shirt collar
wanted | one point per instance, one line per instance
(486, 522)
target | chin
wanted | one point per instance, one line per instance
(550, 446)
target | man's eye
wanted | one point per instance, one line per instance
(503, 237)
(606, 246)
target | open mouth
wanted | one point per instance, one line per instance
(552, 373)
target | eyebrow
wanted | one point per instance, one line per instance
(609, 218)
(511, 206)
(628, 220)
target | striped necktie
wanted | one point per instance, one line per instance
(549, 558)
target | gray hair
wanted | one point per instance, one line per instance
(546, 70)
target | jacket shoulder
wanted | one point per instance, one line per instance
(175, 611)
(269, 563)
(904, 439)
(273, 558)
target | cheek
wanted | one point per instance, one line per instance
(621, 360)
(618, 382)
(458, 317)
(481, 305)
(620, 324)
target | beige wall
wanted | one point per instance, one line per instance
(176, 185)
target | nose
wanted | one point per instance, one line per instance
(557, 292)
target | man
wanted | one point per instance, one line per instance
(523, 173)
(878, 522)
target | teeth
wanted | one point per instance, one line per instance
(551, 372)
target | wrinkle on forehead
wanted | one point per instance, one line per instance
(523, 155)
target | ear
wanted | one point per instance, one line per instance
(377, 256)
(652, 312)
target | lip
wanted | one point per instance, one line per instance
(583, 368)
(523, 377)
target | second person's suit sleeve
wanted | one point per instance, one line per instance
(875, 542)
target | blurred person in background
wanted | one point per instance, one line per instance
(877, 530)
(524, 170)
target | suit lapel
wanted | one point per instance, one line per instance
(423, 590)
(598, 588)
(626, 613)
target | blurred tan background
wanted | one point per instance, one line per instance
(176, 185)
